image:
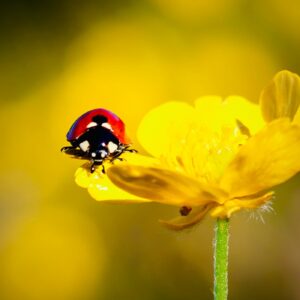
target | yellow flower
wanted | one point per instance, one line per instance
(220, 156)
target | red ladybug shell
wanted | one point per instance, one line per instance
(80, 126)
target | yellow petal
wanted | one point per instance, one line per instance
(297, 117)
(234, 205)
(267, 159)
(216, 113)
(136, 159)
(210, 112)
(164, 186)
(183, 222)
(246, 112)
(281, 98)
(156, 130)
(101, 188)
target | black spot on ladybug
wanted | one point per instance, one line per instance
(99, 119)
(185, 210)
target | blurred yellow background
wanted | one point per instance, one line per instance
(60, 59)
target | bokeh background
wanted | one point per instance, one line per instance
(59, 59)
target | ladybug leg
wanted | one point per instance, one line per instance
(116, 158)
(116, 155)
(126, 148)
(92, 167)
(95, 163)
(67, 148)
(131, 150)
(120, 158)
(74, 151)
(103, 169)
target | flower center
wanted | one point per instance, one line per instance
(204, 153)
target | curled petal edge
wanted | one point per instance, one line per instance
(184, 222)
(234, 205)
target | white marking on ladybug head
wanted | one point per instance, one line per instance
(84, 146)
(93, 154)
(103, 153)
(107, 125)
(92, 124)
(103, 144)
(112, 147)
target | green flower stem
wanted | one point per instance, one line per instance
(221, 259)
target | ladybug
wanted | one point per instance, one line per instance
(97, 136)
